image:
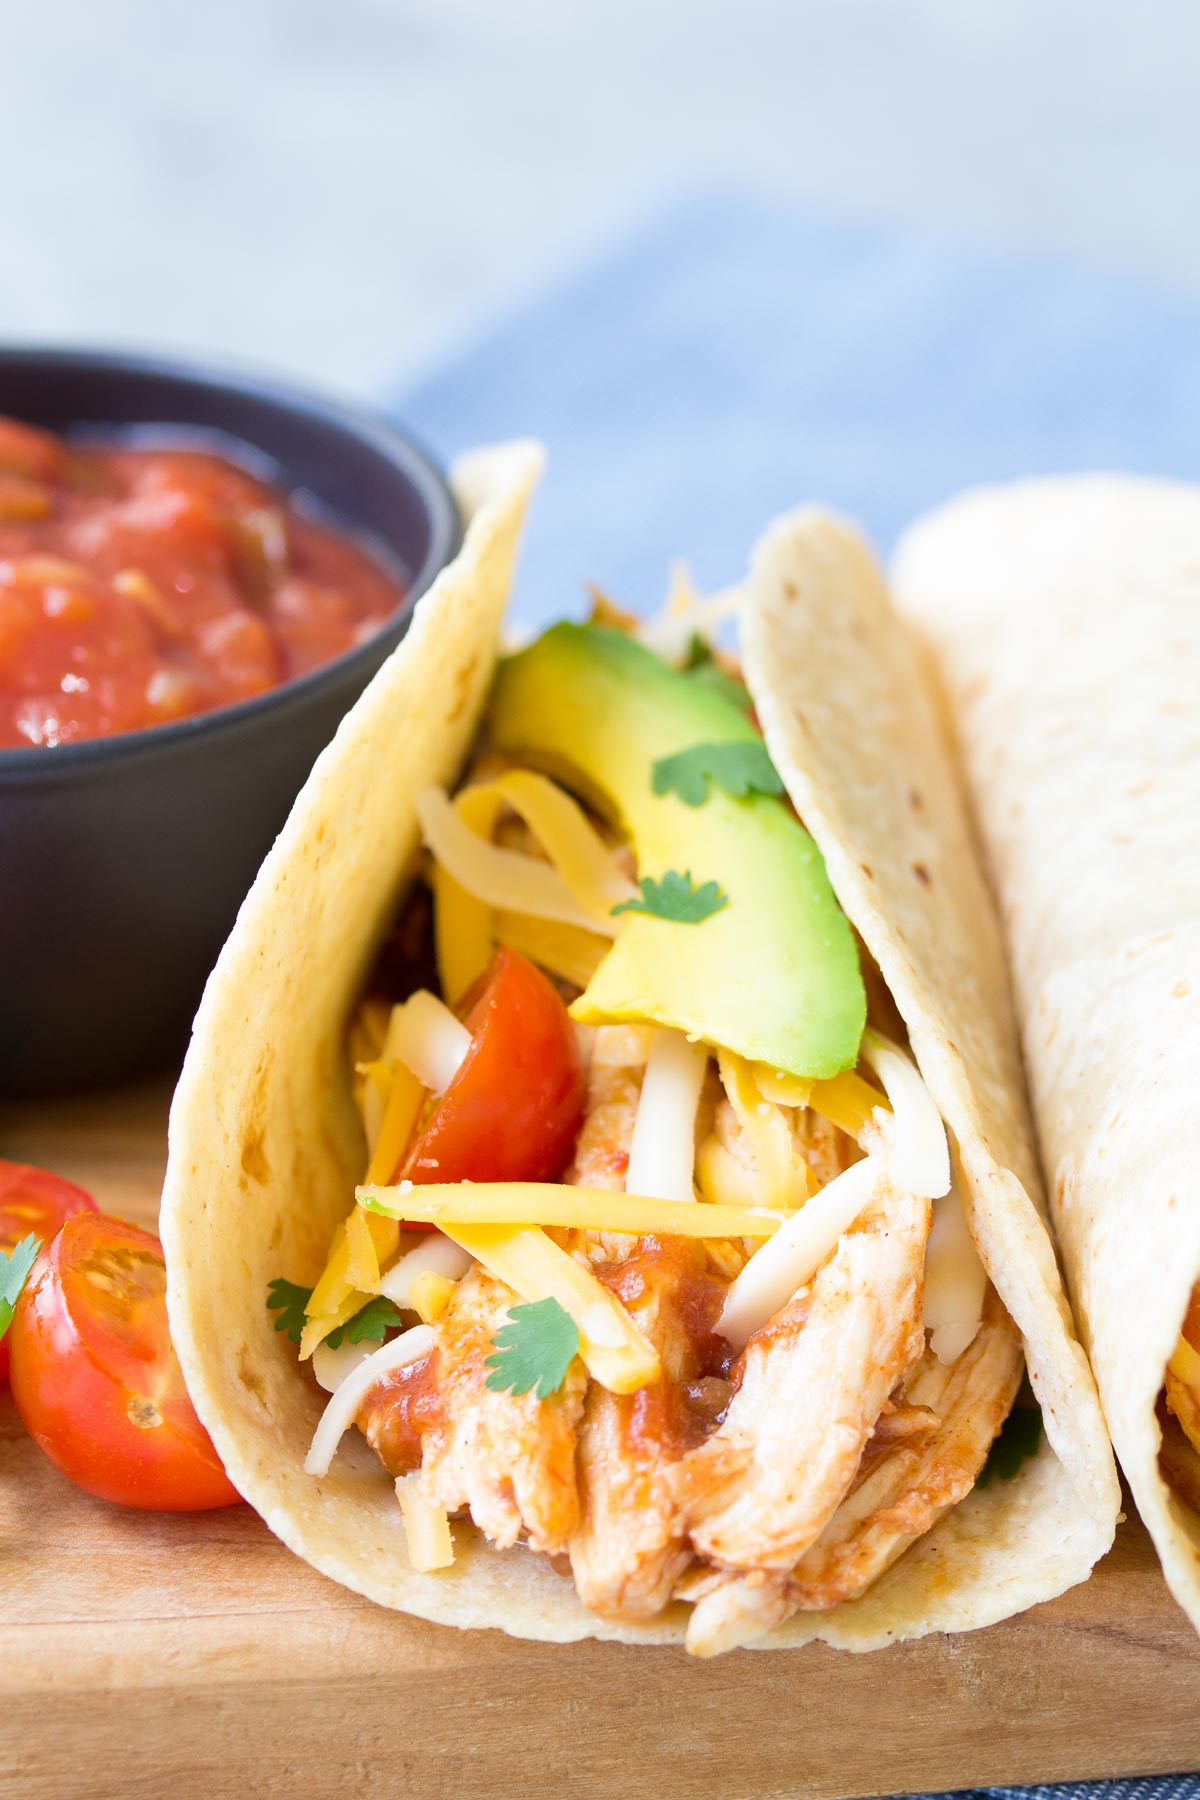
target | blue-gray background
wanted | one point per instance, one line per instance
(336, 186)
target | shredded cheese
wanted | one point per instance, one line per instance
(724, 1180)
(429, 1295)
(783, 1090)
(374, 1079)
(570, 840)
(462, 923)
(502, 878)
(782, 1176)
(434, 1255)
(331, 1367)
(450, 1204)
(796, 1252)
(362, 1265)
(316, 1330)
(403, 1103)
(847, 1101)
(426, 1527)
(955, 1281)
(1185, 1364)
(334, 1285)
(345, 1401)
(614, 1351)
(662, 1148)
(563, 950)
(920, 1154)
(428, 1039)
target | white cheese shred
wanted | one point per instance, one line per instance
(796, 1252)
(501, 878)
(662, 1148)
(346, 1399)
(427, 1038)
(331, 1367)
(955, 1281)
(433, 1255)
(426, 1527)
(919, 1153)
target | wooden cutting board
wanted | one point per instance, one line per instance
(148, 1655)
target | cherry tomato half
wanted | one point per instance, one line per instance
(95, 1377)
(33, 1202)
(513, 1110)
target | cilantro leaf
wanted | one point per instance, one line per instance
(699, 653)
(740, 769)
(370, 1324)
(1018, 1439)
(14, 1273)
(289, 1301)
(674, 897)
(534, 1350)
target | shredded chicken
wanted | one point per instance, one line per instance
(810, 1386)
(907, 1480)
(631, 1547)
(825, 1147)
(509, 1458)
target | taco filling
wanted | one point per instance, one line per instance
(1179, 1410)
(658, 1266)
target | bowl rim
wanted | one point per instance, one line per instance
(39, 762)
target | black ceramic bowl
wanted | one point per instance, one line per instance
(123, 860)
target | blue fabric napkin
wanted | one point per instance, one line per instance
(732, 356)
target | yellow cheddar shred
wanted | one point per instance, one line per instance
(403, 1103)
(848, 1101)
(570, 840)
(564, 950)
(509, 1203)
(1185, 1364)
(782, 1175)
(318, 1329)
(430, 1295)
(462, 924)
(614, 1351)
(362, 1259)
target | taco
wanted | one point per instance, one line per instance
(1065, 617)
(601, 1201)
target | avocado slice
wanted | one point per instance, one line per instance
(773, 975)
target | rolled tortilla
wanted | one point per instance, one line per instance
(1065, 619)
(265, 1147)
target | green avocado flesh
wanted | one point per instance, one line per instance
(773, 975)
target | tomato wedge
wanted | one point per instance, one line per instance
(95, 1377)
(33, 1202)
(513, 1110)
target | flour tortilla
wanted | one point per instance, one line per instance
(265, 1148)
(1065, 615)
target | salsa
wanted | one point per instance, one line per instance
(139, 585)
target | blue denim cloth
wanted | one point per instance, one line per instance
(732, 356)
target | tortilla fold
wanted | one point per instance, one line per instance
(1065, 618)
(266, 1150)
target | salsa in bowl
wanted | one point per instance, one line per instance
(148, 578)
(128, 845)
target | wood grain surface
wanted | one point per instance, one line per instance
(146, 1655)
